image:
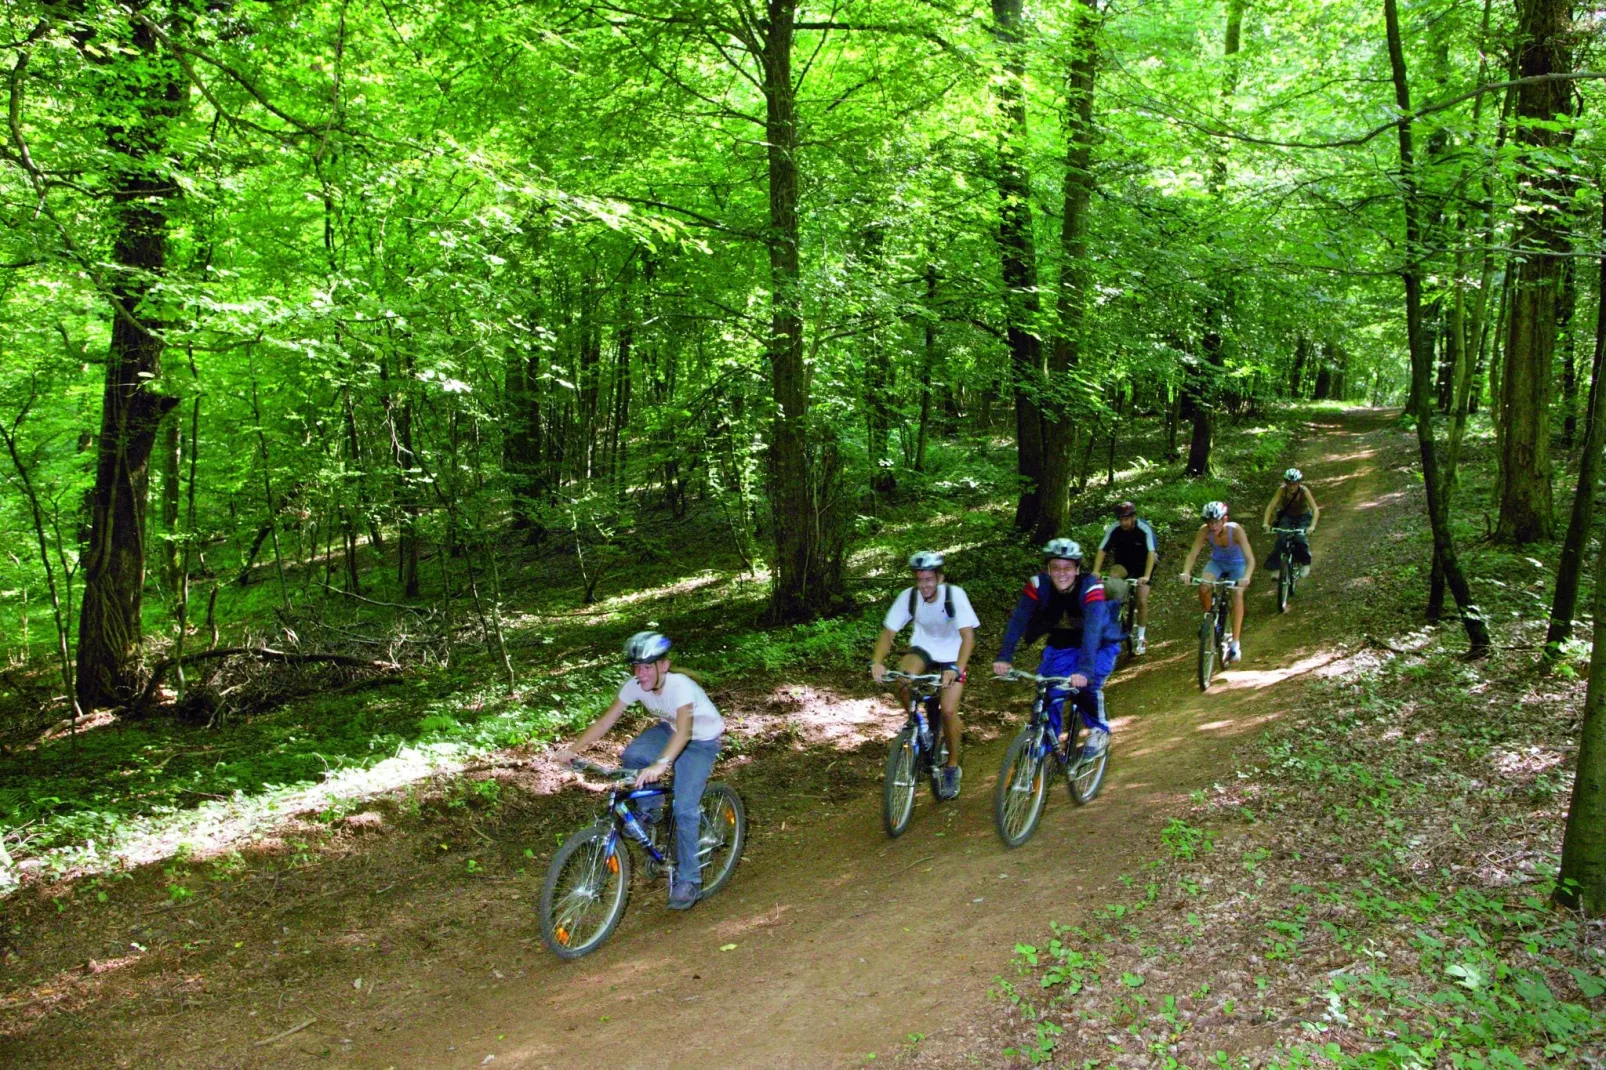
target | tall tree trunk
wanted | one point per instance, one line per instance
(928, 365)
(1296, 377)
(805, 513)
(1060, 415)
(1018, 255)
(1525, 501)
(1565, 600)
(1566, 307)
(1421, 359)
(148, 81)
(1581, 884)
(878, 371)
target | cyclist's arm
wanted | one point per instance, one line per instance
(1271, 508)
(967, 644)
(883, 646)
(1148, 565)
(1095, 619)
(1249, 555)
(1098, 562)
(1315, 511)
(677, 743)
(596, 731)
(1193, 554)
(1014, 630)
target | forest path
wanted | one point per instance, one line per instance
(847, 942)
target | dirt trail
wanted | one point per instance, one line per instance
(846, 942)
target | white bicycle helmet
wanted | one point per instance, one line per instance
(1293, 475)
(1215, 511)
(1062, 549)
(923, 560)
(644, 648)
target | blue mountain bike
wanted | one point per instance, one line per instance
(588, 883)
(918, 750)
(1022, 786)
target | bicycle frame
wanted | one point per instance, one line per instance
(628, 819)
(925, 693)
(1044, 722)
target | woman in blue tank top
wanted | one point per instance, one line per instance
(1231, 558)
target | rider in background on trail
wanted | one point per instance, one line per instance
(1294, 506)
(1231, 558)
(944, 636)
(1081, 625)
(1131, 545)
(686, 736)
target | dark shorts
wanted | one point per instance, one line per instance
(929, 664)
(1134, 566)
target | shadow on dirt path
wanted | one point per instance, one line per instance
(844, 942)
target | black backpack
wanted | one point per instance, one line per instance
(947, 600)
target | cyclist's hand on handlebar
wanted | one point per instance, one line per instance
(948, 677)
(1078, 680)
(653, 772)
(878, 672)
(1187, 577)
(1001, 668)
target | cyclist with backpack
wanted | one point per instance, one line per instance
(1132, 548)
(1070, 610)
(1293, 506)
(687, 736)
(944, 635)
(1231, 558)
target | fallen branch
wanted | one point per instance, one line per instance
(280, 1036)
(261, 653)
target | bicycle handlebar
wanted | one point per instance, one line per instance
(1289, 531)
(607, 772)
(1198, 582)
(932, 678)
(1031, 677)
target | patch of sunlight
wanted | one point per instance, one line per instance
(1378, 502)
(1255, 679)
(221, 825)
(728, 930)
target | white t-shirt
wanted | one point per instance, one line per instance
(934, 632)
(678, 689)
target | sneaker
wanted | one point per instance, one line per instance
(684, 896)
(1139, 643)
(950, 782)
(1234, 652)
(1098, 741)
(1304, 570)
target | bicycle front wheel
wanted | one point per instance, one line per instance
(898, 785)
(587, 887)
(1207, 650)
(724, 832)
(1019, 793)
(1285, 584)
(939, 756)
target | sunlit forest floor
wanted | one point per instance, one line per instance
(367, 873)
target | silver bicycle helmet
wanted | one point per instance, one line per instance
(1062, 549)
(644, 648)
(1215, 511)
(923, 560)
(1293, 475)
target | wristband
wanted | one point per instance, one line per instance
(963, 675)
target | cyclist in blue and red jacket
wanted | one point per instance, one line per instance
(1082, 627)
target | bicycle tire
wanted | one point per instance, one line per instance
(898, 784)
(1021, 789)
(1207, 649)
(1083, 780)
(1285, 584)
(558, 915)
(723, 834)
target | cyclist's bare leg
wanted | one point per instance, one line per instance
(1237, 613)
(950, 720)
(1143, 605)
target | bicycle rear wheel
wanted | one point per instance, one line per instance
(1207, 649)
(1021, 788)
(724, 832)
(898, 784)
(1084, 779)
(587, 887)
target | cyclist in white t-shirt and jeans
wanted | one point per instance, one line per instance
(944, 635)
(686, 736)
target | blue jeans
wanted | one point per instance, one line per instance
(692, 767)
(1063, 661)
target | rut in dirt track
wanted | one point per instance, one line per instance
(847, 942)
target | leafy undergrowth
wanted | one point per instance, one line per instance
(132, 792)
(1372, 890)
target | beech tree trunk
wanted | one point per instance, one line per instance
(1581, 884)
(1564, 603)
(805, 512)
(1421, 358)
(1525, 495)
(131, 409)
(1018, 255)
(1060, 415)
